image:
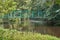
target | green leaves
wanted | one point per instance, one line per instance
(6, 34)
(7, 5)
(58, 2)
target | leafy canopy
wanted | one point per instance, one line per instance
(6, 6)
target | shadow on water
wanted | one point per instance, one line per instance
(48, 30)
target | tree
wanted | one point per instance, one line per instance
(7, 6)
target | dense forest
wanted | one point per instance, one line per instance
(29, 15)
(45, 11)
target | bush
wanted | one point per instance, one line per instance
(6, 34)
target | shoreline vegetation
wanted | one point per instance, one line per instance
(7, 34)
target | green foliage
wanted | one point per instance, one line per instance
(7, 6)
(58, 2)
(24, 4)
(6, 34)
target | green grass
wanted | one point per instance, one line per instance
(6, 34)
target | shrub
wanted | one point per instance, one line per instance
(6, 34)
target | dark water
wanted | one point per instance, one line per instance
(55, 31)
